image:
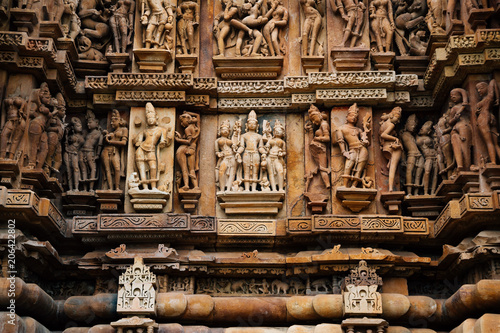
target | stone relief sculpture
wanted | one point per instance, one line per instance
(392, 148)
(72, 153)
(360, 291)
(94, 19)
(188, 19)
(122, 24)
(382, 24)
(408, 19)
(275, 163)
(318, 130)
(353, 142)
(55, 134)
(14, 127)
(41, 111)
(90, 152)
(251, 148)
(225, 149)
(187, 153)
(137, 290)
(157, 19)
(113, 153)
(70, 22)
(222, 24)
(446, 161)
(486, 121)
(274, 30)
(436, 18)
(426, 143)
(148, 152)
(461, 133)
(414, 159)
(313, 22)
(353, 13)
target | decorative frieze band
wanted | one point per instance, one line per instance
(353, 79)
(343, 95)
(150, 81)
(150, 96)
(264, 103)
(251, 87)
(231, 227)
(199, 100)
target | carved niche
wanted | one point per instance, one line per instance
(251, 169)
(360, 291)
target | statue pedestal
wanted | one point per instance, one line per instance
(51, 29)
(392, 201)
(9, 173)
(187, 63)
(492, 174)
(411, 64)
(85, 67)
(39, 181)
(383, 60)
(152, 60)
(243, 68)
(456, 28)
(478, 17)
(135, 324)
(79, 203)
(350, 59)
(436, 41)
(152, 201)
(429, 206)
(316, 201)
(251, 202)
(356, 199)
(189, 199)
(23, 19)
(109, 200)
(352, 325)
(312, 64)
(465, 181)
(68, 45)
(118, 61)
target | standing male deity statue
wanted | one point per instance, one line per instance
(122, 24)
(353, 13)
(149, 143)
(188, 19)
(157, 17)
(13, 129)
(90, 152)
(187, 153)
(414, 160)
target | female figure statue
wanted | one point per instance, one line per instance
(90, 151)
(157, 18)
(461, 134)
(275, 28)
(318, 130)
(74, 142)
(188, 15)
(122, 24)
(252, 147)
(275, 160)
(223, 24)
(55, 133)
(426, 144)
(414, 158)
(353, 142)
(486, 122)
(444, 146)
(225, 169)
(382, 24)
(389, 142)
(13, 129)
(186, 154)
(112, 156)
(312, 24)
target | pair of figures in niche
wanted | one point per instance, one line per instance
(257, 25)
(249, 161)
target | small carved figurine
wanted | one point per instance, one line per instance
(252, 23)
(94, 19)
(148, 153)
(225, 170)
(414, 159)
(318, 130)
(14, 127)
(157, 18)
(486, 122)
(461, 134)
(188, 19)
(113, 154)
(252, 147)
(382, 24)
(408, 19)
(74, 142)
(90, 151)
(86, 51)
(390, 144)
(187, 153)
(353, 142)
(276, 151)
(313, 21)
(70, 22)
(426, 143)
(353, 13)
(223, 24)
(122, 24)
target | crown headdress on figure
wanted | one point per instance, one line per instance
(313, 109)
(278, 125)
(90, 116)
(115, 114)
(353, 109)
(252, 116)
(225, 124)
(150, 109)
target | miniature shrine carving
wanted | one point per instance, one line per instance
(360, 291)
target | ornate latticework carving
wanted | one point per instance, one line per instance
(360, 291)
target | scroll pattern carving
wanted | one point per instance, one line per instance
(333, 222)
(247, 227)
(379, 223)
